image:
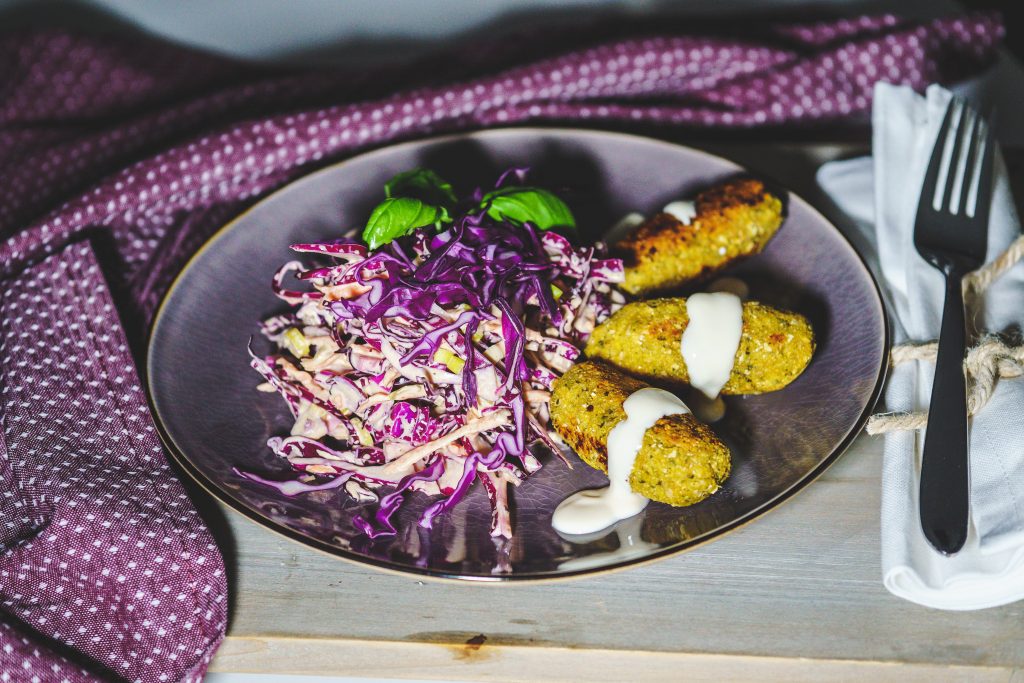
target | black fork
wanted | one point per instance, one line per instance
(951, 233)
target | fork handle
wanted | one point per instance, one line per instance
(945, 492)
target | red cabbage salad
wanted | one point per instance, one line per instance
(420, 357)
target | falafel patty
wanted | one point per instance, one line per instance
(735, 219)
(681, 461)
(643, 338)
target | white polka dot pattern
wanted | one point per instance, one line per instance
(105, 568)
(827, 73)
(102, 550)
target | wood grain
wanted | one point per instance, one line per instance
(555, 665)
(802, 581)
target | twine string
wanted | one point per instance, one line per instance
(986, 363)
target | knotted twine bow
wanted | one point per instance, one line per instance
(986, 363)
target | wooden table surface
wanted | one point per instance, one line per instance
(796, 595)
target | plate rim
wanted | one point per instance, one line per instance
(223, 496)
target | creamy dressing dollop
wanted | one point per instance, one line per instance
(589, 511)
(711, 339)
(631, 544)
(684, 210)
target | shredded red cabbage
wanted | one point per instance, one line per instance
(427, 364)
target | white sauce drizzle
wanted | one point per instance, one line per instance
(707, 410)
(589, 511)
(631, 544)
(711, 339)
(684, 210)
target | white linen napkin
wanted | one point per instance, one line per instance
(881, 194)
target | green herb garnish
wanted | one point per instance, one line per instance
(399, 216)
(528, 205)
(415, 199)
(422, 184)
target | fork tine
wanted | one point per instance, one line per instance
(971, 168)
(931, 176)
(954, 157)
(984, 194)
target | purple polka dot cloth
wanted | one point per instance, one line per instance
(119, 157)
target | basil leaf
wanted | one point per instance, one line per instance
(528, 205)
(399, 216)
(422, 184)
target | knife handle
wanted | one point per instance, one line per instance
(945, 484)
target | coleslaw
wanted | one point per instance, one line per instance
(426, 364)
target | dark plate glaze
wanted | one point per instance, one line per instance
(212, 418)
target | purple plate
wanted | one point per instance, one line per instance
(212, 419)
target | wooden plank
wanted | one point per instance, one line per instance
(802, 581)
(476, 662)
